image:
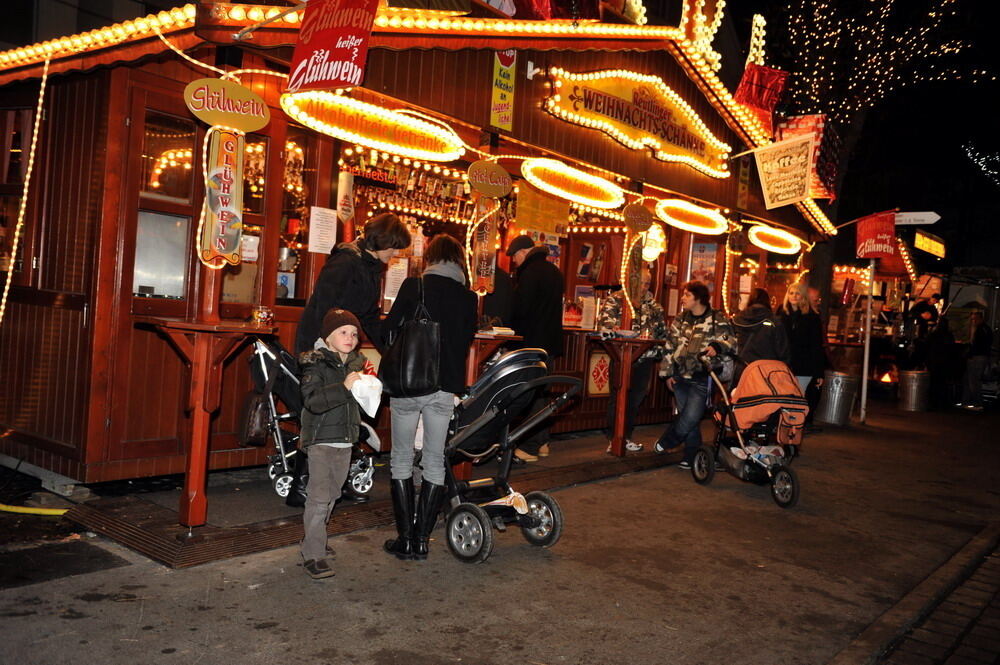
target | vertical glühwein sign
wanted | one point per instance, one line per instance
(220, 234)
(333, 45)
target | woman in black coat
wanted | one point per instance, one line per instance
(805, 337)
(759, 336)
(450, 303)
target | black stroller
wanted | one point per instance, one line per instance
(275, 374)
(480, 430)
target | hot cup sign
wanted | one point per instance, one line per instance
(333, 45)
(638, 218)
(490, 179)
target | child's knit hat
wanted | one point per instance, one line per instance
(336, 318)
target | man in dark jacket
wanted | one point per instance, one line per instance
(537, 317)
(538, 294)
(351, 279)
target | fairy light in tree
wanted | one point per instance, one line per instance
(846, 61)
(988, 164)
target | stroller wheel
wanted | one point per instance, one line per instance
(784, 486)
(282, 484)
(703, 465)
(362, 475)
(470, 533)
(546, 511)
(274, 468)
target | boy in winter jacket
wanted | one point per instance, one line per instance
(330, 425)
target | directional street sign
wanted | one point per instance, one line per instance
(916, 218)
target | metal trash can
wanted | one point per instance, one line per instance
(914, 390)
(840, 390)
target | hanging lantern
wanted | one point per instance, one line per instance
(654, 243)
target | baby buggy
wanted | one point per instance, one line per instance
(482, 428)
(275, 375)
(759, 430)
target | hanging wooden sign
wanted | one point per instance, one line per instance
(226, 103)
(637, 218)
(490, 179)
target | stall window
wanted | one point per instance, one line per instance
(298, 183)
(254, 165)
(15, 137)
(168, 157)
(162, 247)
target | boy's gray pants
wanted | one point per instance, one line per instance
(328, 467)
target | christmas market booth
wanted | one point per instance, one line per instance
(171, 186)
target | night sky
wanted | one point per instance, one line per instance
(911, 154)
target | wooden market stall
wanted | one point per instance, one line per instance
(94, 391)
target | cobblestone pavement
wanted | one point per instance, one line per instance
(964, 628)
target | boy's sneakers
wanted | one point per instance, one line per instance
(632, 446)
(543, 450)
(685, 465)
(318, 568)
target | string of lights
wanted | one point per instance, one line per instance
(989, 164)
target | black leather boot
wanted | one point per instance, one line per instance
(300, 479)
(403, 509)
(431, 498)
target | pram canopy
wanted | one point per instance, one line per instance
(768, 387)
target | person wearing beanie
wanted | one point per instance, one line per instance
(331, 420)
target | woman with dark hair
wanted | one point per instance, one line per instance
(351, 279)
(697, 329)
(449, 301)
(759, 336)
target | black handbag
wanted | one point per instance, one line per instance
(411, 364)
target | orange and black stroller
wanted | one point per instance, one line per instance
(759, 430)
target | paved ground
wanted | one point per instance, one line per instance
(651, 569)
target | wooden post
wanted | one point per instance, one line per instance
(868, 341)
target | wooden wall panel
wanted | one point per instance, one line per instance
(43, 392)
(72, 186)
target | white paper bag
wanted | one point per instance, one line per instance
(367, 390)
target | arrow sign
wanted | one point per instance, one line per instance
(916, 218)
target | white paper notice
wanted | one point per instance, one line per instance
(250, 245)
(394, 277)
(322, 229)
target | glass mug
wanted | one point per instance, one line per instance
(262, 316)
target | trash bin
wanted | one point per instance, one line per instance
(914, 390)
(837, 399)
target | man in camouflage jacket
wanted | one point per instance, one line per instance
(648, 322)
(697, 329)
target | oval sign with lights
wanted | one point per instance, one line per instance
(774, 240)
(490, 179)
(372, 126)
(638, 218)
(566, 182)
(690, 217)
(226, 103)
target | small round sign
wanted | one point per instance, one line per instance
(637, 217)
(226, 103)
(490, 179)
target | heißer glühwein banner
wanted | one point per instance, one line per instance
(333, 45)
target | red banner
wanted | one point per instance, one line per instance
(877, 236)
(760, 90)
(333, 45)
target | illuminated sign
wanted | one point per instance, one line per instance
(554, 177)
(640, 112)
(774, 240)
(372, 126)
(690, 217)
(929, 243)
(638, 217)
(226, 103)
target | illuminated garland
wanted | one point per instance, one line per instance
(758, 35)
(597, 229)
(623, 272)
(26, 189)
(600, 212)
(904, 251)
